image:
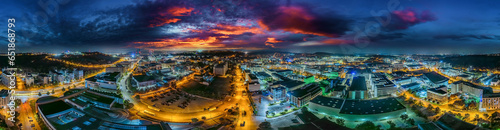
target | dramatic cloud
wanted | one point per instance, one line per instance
(297, 19)
(245, 24)
(403, 19)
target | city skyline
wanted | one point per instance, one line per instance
(298, 26)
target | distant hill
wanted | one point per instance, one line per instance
(479, 61)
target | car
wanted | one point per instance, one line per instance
(242, 124)
(32, 125)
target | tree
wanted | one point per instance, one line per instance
(265, 126)
(48, 93)
(404, 117)
(438, 109)
(368, 125)
(17, 102)
(411, 121)
(472, 106)
(39, 94)
(137, 97)
(419, 103)
(53, 91)
(430, 107)
(203, 118)
(194, 120)
(486, 115)
(476, 118)
(466, 116)
(63, 89)
(340, 122)
(127, 104)
(392, 124)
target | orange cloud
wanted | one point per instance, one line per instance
(168, 16)
(235, 30)
(210, 42)
(230, 30)
(298, 20)
(269, 44)
(164, 21)
(272, 40)
(335, 41)
(179, 11)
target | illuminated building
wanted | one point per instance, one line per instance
(358, 110)
(358, 89)
(438, 95)
(302, 96)
(220, 69)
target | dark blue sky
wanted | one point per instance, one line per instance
(360, 26)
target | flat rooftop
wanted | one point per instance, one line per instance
(312, 88)
(54, 107)
(358, 84)
(329, 102)
(435, 77)
(363, 107)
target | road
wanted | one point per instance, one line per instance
(25, 115)
(251, 122)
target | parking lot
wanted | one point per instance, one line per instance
(179, 101)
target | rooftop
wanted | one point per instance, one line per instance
(312, 88)
(437, 90)
(54, 107)
(329, 102)
(435, 77)
(410, 85)
(449, 122)
(4, 93)
(358, 84)
(362, 107)
(143, 78)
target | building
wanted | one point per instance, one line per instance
(448, 122)
(284, 72)
(302, 96)
(358, 89)
(338, 90)
(8, 78)
(29, 80)
(253, 83)
(278, 94)
(45, 79)
(78, 74)
(382, 86)
(4, 97)
(358, 110)
(403, 81)
(490, 101)
(434, 79)
(61, 115)
(116, 68)
(220, 69)
(143, 82)
(103, 80)
(410, 86)
(469, 88)
(438, 95)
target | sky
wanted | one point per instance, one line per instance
(302, 26)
